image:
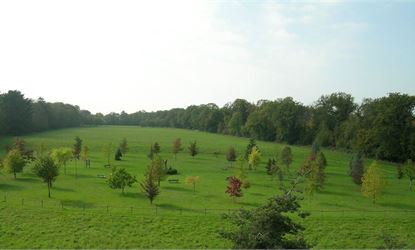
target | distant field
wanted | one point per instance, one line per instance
(84, 212)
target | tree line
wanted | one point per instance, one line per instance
(382, 128)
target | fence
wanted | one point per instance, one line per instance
(80, 206)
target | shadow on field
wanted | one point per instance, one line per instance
(398, 205)
(331, 192)
(177, 188)
(174, 207)
(256, 194)
(136, 196)
(76, 203)
(249, 204)
(64, 189)
(8, 187)
(82, 176)
(28, 180)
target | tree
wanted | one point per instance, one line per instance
(156, 148)
(231, 155)
(249, 148)
(270, 226)
(14, 162)
(373, 182)
(46, 169)
(177, 147)
(124, 146)
(118, 155)
(61, 156)
(120, 178)
(85, 153)
(234, 188)
(321, 159)
(20, 145)
(356, 168)
(77, 147)
(157, 169)
(316, 178)
(193, 150)
(107, 150)
(192, 180)
(15, 113)
(286, 157)
(254, 158)
(409, 170)
(149, 187)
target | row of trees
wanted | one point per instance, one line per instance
(383, 128)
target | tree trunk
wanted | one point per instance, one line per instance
(194, 187)
(14, 173)
(49, 184)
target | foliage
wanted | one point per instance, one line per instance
(107, 150)
(268, 226)
(321, 159)
(399, 171)
(172, 171)
(231, 155)
(157, 169)
(20, 145)
(85, 153)
(118, 155)
(356, 168)
(234, 187)
(409, 170)
(249, 147)
(192, 180)
(61, 156)
(193, 150)
(155, 148)
(286, 157)
(77, 147)
(177, 147)
(47, 170)
(316, 177)
(390, 241)
(14, 163)
(254, 158)
(149, 186)
(373, 182)
(124, 146)
(120, 179)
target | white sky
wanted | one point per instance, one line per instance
(148, 55)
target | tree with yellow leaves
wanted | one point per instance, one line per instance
(373, 182)
(254, 158)
(192, 180)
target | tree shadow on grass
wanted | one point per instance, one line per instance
(256, 194)
(178, 188)
(136, 196)
(331, 192)
(27, 180)
(8, 187)
(76, 203)
(175, 208)
(398, 205)
(248, 204)
(64, 189)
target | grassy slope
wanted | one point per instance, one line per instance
(170, 229)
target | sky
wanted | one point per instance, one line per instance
(113, 56)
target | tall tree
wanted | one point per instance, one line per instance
(46, 169)
(409, 170)
(177, 147)
(286, 157)
(373, 182)
(13, 162)
(193, 150)
(15, 113)
(124, 146)
(149, 186)
(77, 147)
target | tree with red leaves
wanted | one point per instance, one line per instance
(234, 188)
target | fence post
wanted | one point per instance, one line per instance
(205, 211)
(22, 202)
(181, 211)
(84, 208)
(62, 205)
(131, 209)
(42, 203)
(108, 209)
(5, 198)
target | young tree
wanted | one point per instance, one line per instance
(156, 148)
(177, 147)
(149, 187)
(118, 155)
(46, 169)
(249, 148)
(409, 170)
(120, 178)
(231, 155)
(85, 153)
(124, 146)
(321, 159)
(399, 171)
(14, 163)
(254, 158)
(157, 169)
(192, 180)
(357, 168)
(316, 178)
(61, 156)
(286, 157)
(373, 182)
(107, 150)
(193, 150)
(77, 147)
(151, 153)
(20, 145)
(270, 226)
(234, 188)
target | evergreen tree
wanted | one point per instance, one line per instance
(193, 150)
(357, 168)
(156, 148)
(231, 155)
(249, 148)
(149, 186)
(286, 157)
(118, 155)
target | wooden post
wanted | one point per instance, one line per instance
(205, 211)
(42, 203)
(22, 202)
(131, 209)
(108, 208)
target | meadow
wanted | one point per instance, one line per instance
(85, 213)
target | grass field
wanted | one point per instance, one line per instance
(85, 213)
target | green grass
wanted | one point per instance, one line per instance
(351, 222)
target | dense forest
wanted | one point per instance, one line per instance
(383, 128)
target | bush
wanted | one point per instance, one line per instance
(171, 171)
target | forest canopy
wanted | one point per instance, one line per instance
(383, 128)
